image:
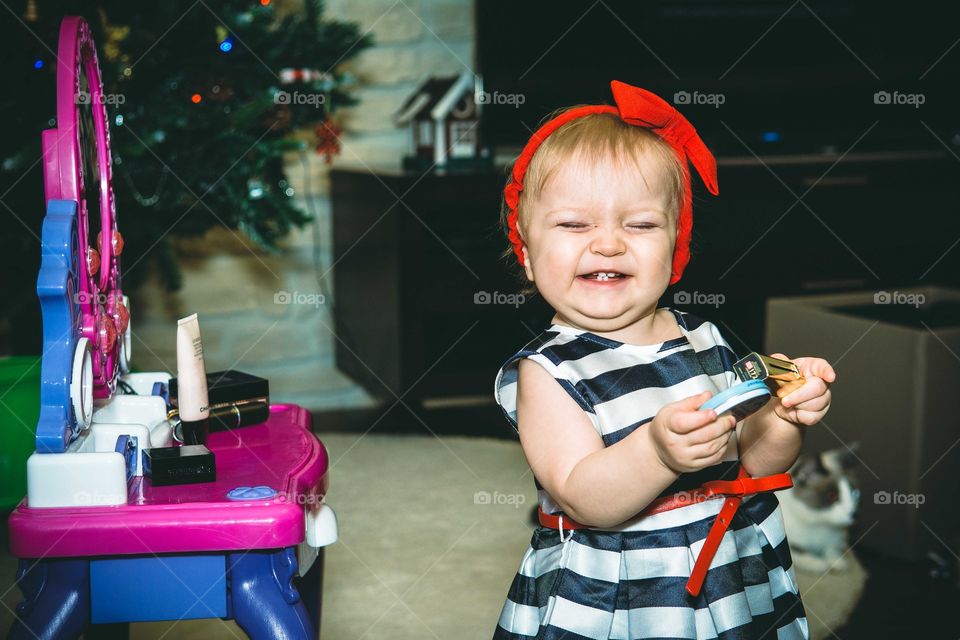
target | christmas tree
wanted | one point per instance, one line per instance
(203, 98)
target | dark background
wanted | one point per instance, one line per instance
(804, 72)
(821, 188)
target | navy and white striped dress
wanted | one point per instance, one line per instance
(627, 582)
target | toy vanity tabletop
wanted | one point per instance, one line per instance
(281, 454)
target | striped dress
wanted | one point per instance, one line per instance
(627, 582)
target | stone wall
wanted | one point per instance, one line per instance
(238, 290)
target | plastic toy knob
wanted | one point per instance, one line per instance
(322, 527)
(106, 334)
(117, 242)
(121, 316)
(261, 492)
(93, 260)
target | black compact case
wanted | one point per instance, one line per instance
(229, 386)
(236, 399)
(179, 465)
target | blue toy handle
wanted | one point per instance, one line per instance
(57, 290)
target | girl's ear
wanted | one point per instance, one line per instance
(526, 264)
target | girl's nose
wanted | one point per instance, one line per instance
(608, 243)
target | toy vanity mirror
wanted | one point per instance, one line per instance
(86, 328)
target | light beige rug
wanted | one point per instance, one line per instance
(431, 533)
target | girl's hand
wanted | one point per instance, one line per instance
(808, 404)
(687, 439)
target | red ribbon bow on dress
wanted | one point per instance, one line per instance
(641, 108)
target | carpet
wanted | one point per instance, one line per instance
(432, 531)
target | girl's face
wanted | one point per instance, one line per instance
(598, 243)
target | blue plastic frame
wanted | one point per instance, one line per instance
(56, 288)
(168, 587)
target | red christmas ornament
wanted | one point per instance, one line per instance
(290, 75)
(328, 139)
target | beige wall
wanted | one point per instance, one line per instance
(232, 285)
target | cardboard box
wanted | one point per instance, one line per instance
(897, 358)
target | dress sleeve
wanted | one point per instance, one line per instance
(506, 386)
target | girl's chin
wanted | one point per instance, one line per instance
(601, 318)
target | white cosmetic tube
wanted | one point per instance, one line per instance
(192, 398)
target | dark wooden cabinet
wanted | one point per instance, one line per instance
(412, 251)
(871, 222)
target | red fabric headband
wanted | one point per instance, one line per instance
(641, 108)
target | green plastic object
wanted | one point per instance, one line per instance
(19, 411)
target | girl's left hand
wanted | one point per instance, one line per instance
(808, 404)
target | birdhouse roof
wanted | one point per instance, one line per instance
(434, 99)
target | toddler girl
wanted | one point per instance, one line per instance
(657, 519)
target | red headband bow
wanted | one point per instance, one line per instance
(641, 108)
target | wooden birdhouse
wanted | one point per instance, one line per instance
(443, 116)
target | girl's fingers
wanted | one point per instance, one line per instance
(812, 367)
(812, 388)
(710, 432)
(684, 422)
(785, 389)
(821, 368)
(815, 367)
(710, 449)
(808, 418)
(820, 403)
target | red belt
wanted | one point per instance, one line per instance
(733, 489)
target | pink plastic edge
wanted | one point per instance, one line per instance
(190, 527)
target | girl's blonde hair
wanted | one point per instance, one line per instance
(590, 139)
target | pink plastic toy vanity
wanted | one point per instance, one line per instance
(99, 545)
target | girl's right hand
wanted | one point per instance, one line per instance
(687, 439)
